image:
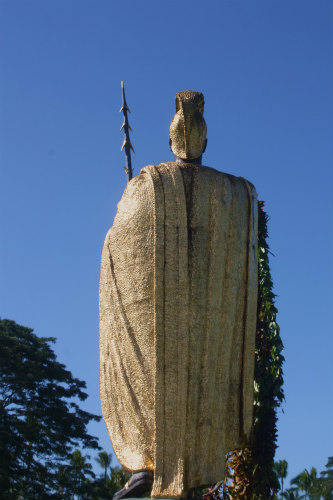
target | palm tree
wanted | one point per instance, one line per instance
(119, 477)
(281, 469)
(308, 482)
(326, 480)
(81, 468)
(104, 460)
(291, 494)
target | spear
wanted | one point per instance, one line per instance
(127, 143)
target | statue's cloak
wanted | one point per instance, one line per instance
(178, 300)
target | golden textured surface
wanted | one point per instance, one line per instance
(188, 128)
(178, 297)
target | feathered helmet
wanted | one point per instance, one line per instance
(188, 128)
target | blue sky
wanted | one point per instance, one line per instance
(265, 68)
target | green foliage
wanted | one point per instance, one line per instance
(308, 482)
(119, 478)
(290, 494)
(104, 460)
(42, 426)
(281, 470)
(307, 485)
(268, 394)
(326, 480)
(76, 479)
(252, 469)
(41, 422)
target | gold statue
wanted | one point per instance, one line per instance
(178, 298)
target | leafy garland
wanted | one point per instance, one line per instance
(250, 471)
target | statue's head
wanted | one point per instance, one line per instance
(188, 128)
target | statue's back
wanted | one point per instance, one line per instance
(178, 311)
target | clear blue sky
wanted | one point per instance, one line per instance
(265, 68)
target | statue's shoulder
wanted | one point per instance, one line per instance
(200, 172)
(223, 176)
(152, 175)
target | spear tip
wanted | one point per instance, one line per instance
(123, 94)
(126, 127)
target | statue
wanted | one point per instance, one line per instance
(178, 299)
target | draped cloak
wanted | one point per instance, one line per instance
(178, 299)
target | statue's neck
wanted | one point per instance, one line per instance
(196, 161)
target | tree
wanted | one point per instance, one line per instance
(105, 487)
(119, 478)
(281, 469)
(308, 482)
(80, 469)
(326, 480)
(291, 494)
(41, 422)
(104, 460)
